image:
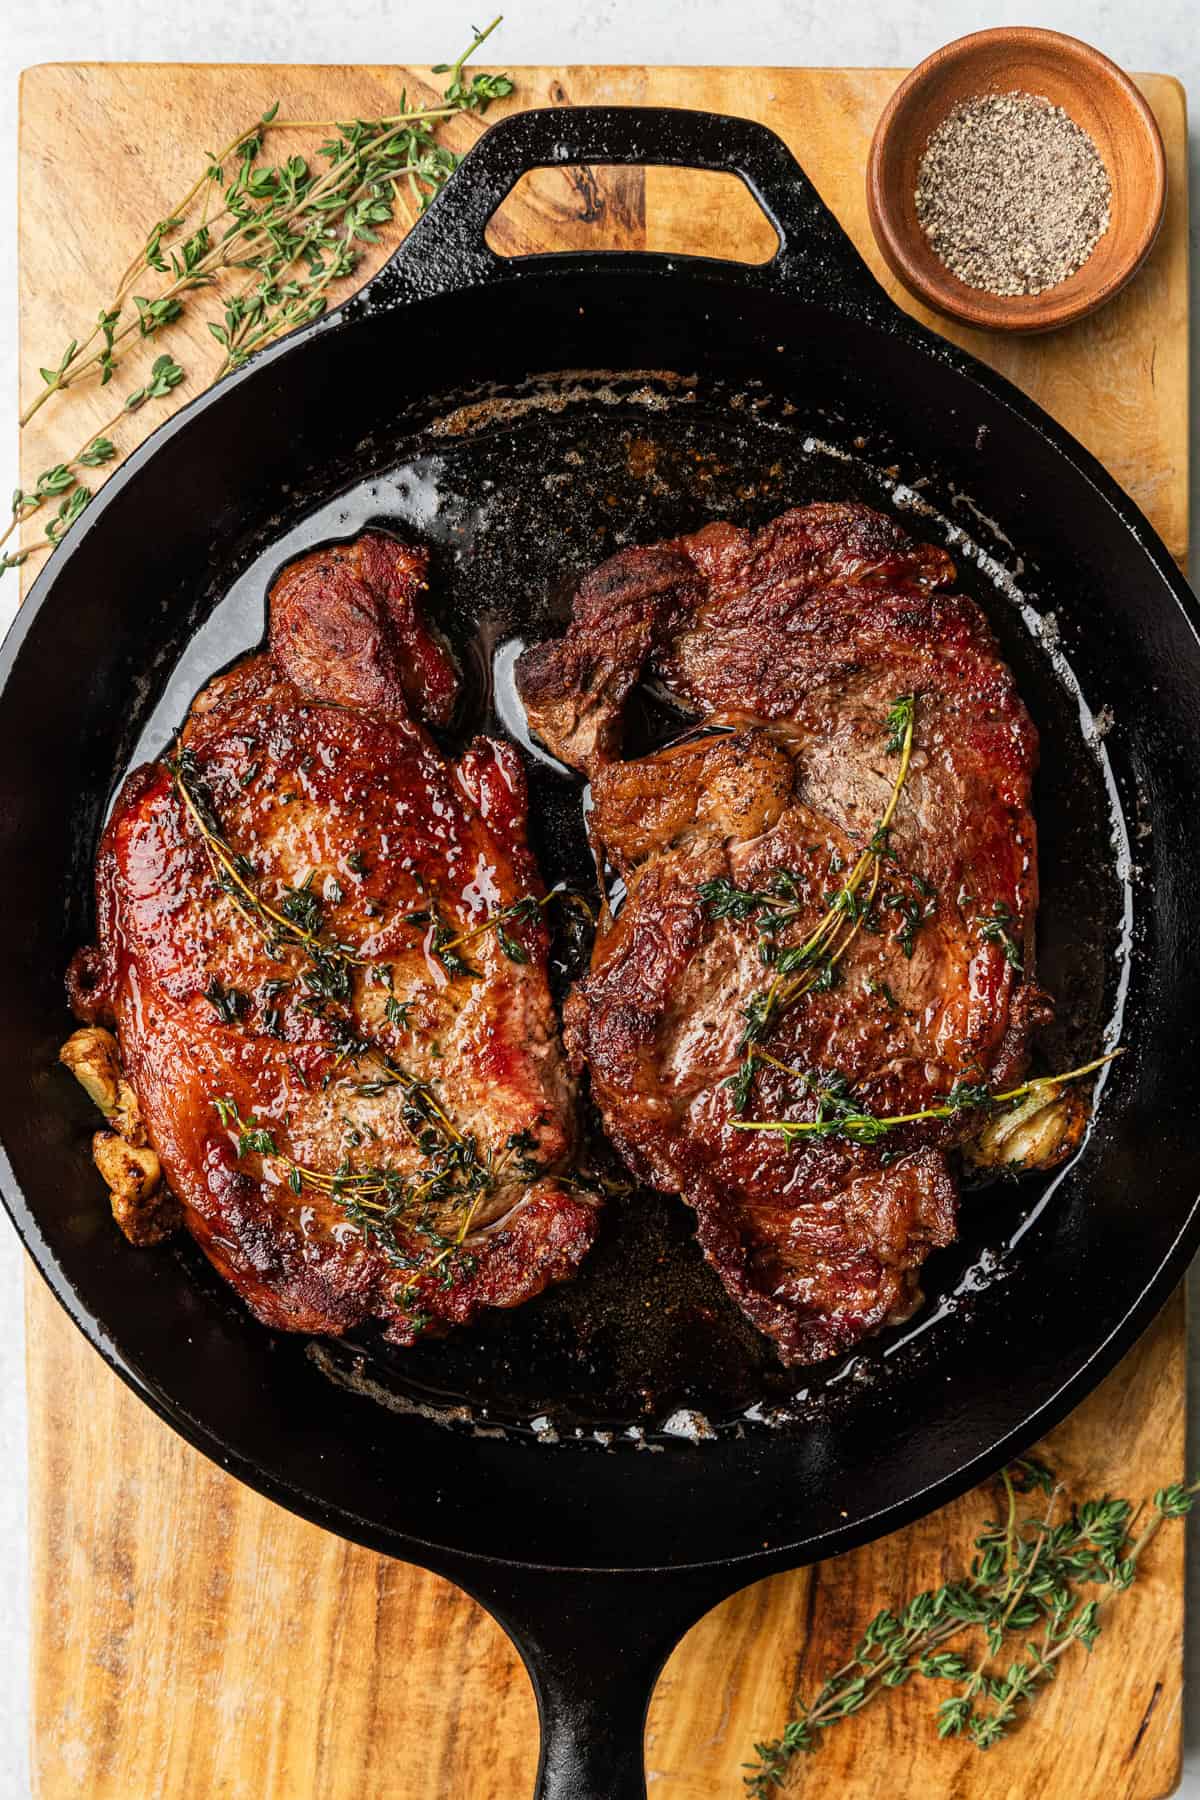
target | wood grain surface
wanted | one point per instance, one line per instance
(190, 1640)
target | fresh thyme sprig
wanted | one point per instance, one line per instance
(527, 907)
(778, 902)
(289, 233)
(293, 227)
(1027, 1576)
(446, 945)
(391, 1208)
(297, 918)
(840, 1115)
(812, 963)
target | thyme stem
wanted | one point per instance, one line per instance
(64, 478)
(518, 909)
(864, 1127)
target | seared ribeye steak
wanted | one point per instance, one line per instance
(353, 1081)
(830, 890)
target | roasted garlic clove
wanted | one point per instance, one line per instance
(1040, 1133)
(93, 1059)
(142, 1205)
(144, 1209)
(91, 1056)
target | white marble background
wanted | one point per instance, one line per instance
(803, 32)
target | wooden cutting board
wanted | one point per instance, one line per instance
(190, 1640)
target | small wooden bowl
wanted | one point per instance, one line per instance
(1096, 94)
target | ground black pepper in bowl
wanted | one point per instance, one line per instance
(1012, 194)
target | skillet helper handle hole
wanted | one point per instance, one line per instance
(613, 206)
(451, 245)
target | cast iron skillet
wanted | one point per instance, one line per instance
(540, 1461)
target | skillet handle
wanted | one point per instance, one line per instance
(446, 248)
(594, 1645)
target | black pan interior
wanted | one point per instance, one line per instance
(646, 1338)
(519, 485)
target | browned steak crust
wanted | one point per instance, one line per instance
(792, 645)
(314, 762)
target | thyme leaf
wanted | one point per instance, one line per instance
(301, 907)
(442, 946)
(994, 928)
(511, 946)
(900, 722)
(740, 1084)
(229, 1004)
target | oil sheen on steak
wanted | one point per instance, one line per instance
(319, 773)
(792, 645)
